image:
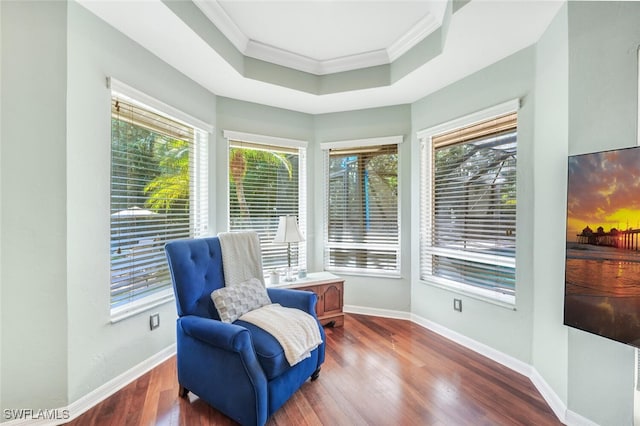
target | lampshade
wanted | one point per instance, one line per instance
(288, 231)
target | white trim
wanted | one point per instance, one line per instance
(144, 304)
(425, 26)
(507, 301)
(360, 143)
(376, 312)
(258, 50)
(363, 272)
(88, 401)
(284, 58)
(354, 62)
(389, 248)
(555, 403)
(142, 99)
(426, 248)
(263, 140)
(470, 119)
(223, 22)
(575, 419)
(485, 350)
(93, 398)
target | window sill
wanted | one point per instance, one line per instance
(365, 273)
(496, 298)
(136, 307)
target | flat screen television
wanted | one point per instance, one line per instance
(602, 271)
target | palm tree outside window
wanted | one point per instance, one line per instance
(266, 181)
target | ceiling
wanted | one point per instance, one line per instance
(328, 43)
(323, 37)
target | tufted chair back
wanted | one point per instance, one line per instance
(196, 270)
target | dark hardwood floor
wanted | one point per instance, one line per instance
(378, 371)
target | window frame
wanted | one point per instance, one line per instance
(199, 193)
(326, 147)
(250, 139)
(426, 248)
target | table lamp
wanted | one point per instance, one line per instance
(288, 232)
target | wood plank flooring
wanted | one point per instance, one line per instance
(378, 371)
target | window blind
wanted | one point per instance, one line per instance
(265, 182)
(469, 205)
(361, 220)
(158, 193)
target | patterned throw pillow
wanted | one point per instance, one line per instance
(234, 301)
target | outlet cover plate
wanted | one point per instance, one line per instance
(154, 321)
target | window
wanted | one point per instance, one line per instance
(361, 215)
(468, 204)
(158, 194)
(267, 179)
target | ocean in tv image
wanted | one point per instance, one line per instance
(602, 273)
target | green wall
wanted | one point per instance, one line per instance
(34, 200)
(58, 343)
(578, 86)
(550, 354)
(249, 117)
(504, 329)
(97, 349)
(370, 292)
(603, 114)
(258, 119)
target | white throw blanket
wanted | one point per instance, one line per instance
(296, 331)
(241, 257)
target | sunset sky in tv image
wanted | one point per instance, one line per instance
(603, 190)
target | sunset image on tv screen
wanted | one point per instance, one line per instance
(602, 274)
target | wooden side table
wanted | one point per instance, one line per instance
(330, 292)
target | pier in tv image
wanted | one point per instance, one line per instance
(602, 273)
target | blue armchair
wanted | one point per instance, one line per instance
(237, 368)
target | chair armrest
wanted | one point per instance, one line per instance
(303, 300)
(223, 335)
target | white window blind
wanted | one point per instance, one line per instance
(266, 181)
(361, 216)
(468, 207)
(158, 193)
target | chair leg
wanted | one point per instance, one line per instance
(182, 391)
(315, 374)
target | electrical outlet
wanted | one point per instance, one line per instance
(154, 321)
(457, 305)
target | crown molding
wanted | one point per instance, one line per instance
(255, 49)
(217, 15)
(425, 26)
(288, 59)
(354, 62)
(282, 57)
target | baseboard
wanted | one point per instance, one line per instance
(88, 401)
(91, 399)
(553, 400)
(84, 403)
(575, 419)
(555, 403)
(485, 350)
(376, 312)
